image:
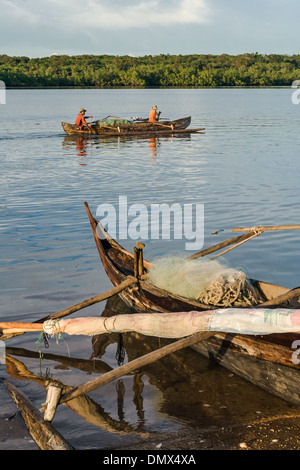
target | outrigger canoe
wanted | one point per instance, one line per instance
(268, 361)
(117, 127)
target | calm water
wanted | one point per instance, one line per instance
(244, 169)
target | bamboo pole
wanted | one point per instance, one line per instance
(164, 125)
(280, 299)
(135, 364)
(44, 434)
(93, 300)
(221, 245)
(267, 228)
(236, 245)
(110, 127)
(20, 328)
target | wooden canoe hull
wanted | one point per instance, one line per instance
(178, 126)
(267, 361)
(280, 380)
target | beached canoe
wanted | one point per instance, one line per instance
(117, 127)
(269, 361)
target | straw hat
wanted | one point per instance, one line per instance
(83, 110)
(154, 106)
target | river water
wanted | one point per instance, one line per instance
(243, 170)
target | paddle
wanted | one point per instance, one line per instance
(90, 125)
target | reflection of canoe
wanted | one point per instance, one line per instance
(111, 128)
(84, 405)
(267, 361)
(180, 376)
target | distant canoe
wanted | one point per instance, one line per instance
(139, 128)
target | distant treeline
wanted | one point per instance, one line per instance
(150, 71)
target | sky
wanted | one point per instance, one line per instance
(39, 28)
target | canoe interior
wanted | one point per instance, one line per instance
(119, 263)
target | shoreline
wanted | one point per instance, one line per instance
(264, 433)
(282, 433)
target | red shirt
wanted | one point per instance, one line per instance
(80, 121)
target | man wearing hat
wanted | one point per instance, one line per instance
(154, 115)
(80, 120)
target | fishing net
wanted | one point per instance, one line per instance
(209, 281)
(112, 122)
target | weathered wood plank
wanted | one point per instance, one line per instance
(44, 434)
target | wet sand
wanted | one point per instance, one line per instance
(282, 433)
(256, 421)
(272, 434)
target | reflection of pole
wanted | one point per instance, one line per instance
(138, 387)
(120, 393)
(85, 407)
(136, 364)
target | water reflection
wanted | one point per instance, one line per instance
(153, 144)
(83, 406)
(82, 146)
(182, 389)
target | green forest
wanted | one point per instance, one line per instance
(258, 70)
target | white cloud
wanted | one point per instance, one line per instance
(105, 14)
(141, 14)
(15, 11)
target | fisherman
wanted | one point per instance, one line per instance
(80, 120)
(154, 115)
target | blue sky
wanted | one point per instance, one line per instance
(38, 28)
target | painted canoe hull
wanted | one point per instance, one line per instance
(267, 361)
